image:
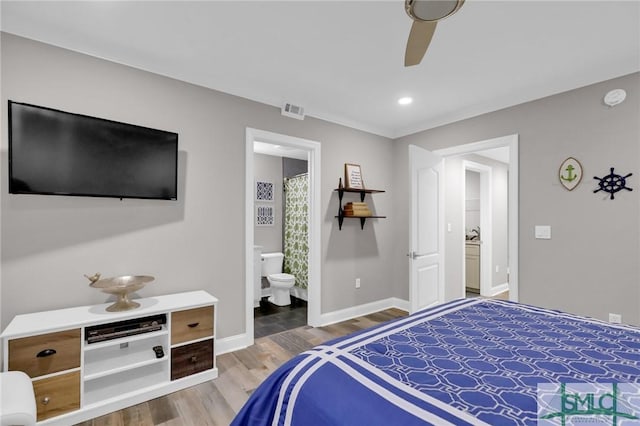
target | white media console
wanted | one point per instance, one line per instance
(75, 380)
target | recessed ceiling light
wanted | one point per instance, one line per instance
(405, 101)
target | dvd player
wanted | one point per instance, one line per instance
(115, 330)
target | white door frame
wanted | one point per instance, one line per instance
(486, 226)
(314, 290)
(510, 141)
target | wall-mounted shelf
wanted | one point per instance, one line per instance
(341, 216)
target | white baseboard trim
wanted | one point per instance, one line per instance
(241, 341)
(401, 304)
(499, 289)
(232, 343)
(360, 310)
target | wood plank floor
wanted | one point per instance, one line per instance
(239, 373)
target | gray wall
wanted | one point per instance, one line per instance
(590, 266)
(269, 168)
(293, 167)
(49, 242)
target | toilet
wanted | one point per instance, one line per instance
(280, 283)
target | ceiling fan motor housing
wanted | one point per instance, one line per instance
(431, 10)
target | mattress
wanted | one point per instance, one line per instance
(466, 362)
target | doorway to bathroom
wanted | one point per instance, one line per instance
(281, 237)
(282, 228)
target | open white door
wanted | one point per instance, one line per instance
(426, 228)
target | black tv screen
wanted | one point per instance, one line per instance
(60, 153)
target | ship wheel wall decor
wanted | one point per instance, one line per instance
(612, 183)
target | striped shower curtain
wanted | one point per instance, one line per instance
(296, 219)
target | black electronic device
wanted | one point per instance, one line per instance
(159, 351)
(55, 152)
(116, 330)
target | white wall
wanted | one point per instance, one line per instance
(197, 242)
(472, 201)
(269, 168)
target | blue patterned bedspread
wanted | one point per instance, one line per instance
(470, 361)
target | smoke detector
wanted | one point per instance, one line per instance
(293, 111)
(615, 97)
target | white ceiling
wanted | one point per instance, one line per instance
(279, 150)
(498, 154)
(343, 60)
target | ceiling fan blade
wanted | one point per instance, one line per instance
(419, 39)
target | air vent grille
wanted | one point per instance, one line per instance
(293, 111)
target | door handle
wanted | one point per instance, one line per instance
(414, 255)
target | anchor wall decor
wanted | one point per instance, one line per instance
(570, 173)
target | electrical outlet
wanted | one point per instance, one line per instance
(357, 282)
(497, 268)
(615, 318)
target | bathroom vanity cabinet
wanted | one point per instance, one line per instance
(341, 216)
(76, 378)
(472, 266)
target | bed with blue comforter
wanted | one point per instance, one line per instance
(467, 362)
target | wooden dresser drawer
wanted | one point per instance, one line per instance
(191, 324)
(45, 353)
(191, 359)
(57, 395)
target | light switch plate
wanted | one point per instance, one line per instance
(543, 232)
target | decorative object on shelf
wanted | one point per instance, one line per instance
(570, 173)
(121, 287)
(265, 215)
(264, 191)
(353, 176)
(93, 278)
(355, 210)
(612, 183)
(340, 185)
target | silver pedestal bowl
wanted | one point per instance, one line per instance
(120, 287)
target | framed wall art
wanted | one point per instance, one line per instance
(264, 190)
(570, 173)
(265, 215)
(353, 176)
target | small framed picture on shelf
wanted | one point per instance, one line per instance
(353, 176)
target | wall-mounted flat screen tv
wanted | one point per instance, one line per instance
(54, 152)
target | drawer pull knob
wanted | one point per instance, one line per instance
(46, 352)
(193, 325)
(45, 400)
(194, 359)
